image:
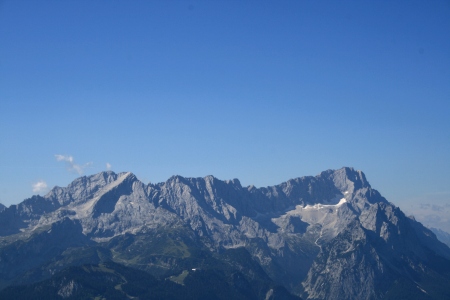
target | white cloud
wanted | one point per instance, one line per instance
(71, 165)
(108, 166)
(39, 186)
(67, 158)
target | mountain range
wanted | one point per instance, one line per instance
(330, 236)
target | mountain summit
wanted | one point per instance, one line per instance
(330, 236)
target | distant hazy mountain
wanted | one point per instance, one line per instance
(2, 207)
(325, 237)
(442, 235)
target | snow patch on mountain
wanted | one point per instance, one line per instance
(320, 206)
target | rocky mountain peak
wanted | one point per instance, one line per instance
(346, 179)
(86, 187)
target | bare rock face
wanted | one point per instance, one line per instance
(330, 236)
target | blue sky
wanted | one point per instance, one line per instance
(263, 91)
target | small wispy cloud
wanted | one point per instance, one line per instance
(39, 186)
(71, 165)
(67, 158)
(108, 166)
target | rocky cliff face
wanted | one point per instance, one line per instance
(325, 237)
(372, 254)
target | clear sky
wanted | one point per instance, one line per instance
(263, 91)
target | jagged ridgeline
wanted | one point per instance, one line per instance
(325, 237)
